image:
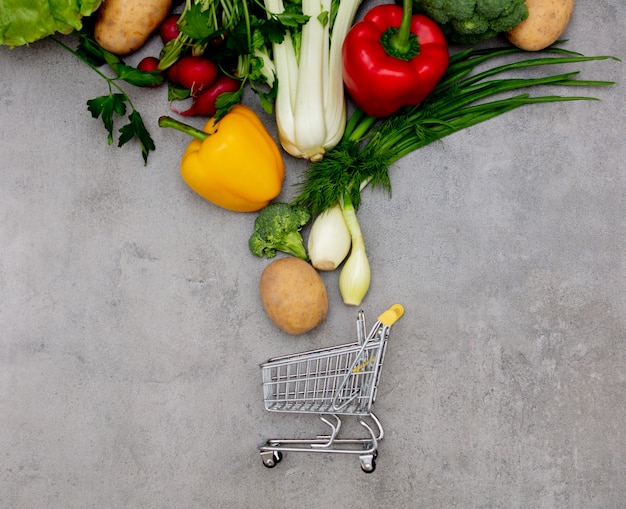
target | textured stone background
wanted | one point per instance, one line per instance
(132, 331)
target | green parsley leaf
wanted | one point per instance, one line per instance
(197, 23)
(226, 100)
(273, 30)
(112, 60)
(104, 107)
(266, 98)
(137, 77)
(237, 40)
(90, 51)
(293, 19)
(107, 106)
(136, 129)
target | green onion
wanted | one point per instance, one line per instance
(354, 280)
(369, 146)
(329, 239)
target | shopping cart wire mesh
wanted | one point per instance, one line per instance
(336, 381)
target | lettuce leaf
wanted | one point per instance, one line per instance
(26, 21)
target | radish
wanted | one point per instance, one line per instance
(194, 72)
(204, 101)
(149, 64)
(172, 73)
(169, 29)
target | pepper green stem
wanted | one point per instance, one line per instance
(401, 42)
(166, 121)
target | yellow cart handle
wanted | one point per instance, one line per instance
(390, 316)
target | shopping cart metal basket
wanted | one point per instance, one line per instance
(331, 382)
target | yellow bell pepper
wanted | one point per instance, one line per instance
(233, 162)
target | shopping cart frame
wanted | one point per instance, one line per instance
(332, 383)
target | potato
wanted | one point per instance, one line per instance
(123, 26)
(546, 22)
(293, 295)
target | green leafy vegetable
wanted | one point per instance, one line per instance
(197, 25)
(24, 22)
(115, 103)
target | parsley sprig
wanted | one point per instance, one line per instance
(117, 103)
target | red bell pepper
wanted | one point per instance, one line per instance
(393, 58)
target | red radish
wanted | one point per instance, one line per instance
(169, 28)
(204, 102)
(195, 72)
(172, 73)
(149, 64)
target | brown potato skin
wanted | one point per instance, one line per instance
(123, 26)
(546, 22)
(293, 295)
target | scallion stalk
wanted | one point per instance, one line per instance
(354, 280)
(462, 99)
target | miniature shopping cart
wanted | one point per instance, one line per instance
(331, 382)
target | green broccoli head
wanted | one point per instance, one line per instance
(277, 228)
(510, 18)
(472, 21)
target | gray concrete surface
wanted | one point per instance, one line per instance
(132, 331)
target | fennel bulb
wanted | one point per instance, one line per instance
(310, 104)
(329, 239)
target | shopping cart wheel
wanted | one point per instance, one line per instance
(271, 458)
(368, 463)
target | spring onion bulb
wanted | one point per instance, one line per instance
(354, 280)
(329, 239)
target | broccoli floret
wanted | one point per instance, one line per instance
(277, 228)
(474, 25)
(472, 21)
(510, 18)
(492, 9)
